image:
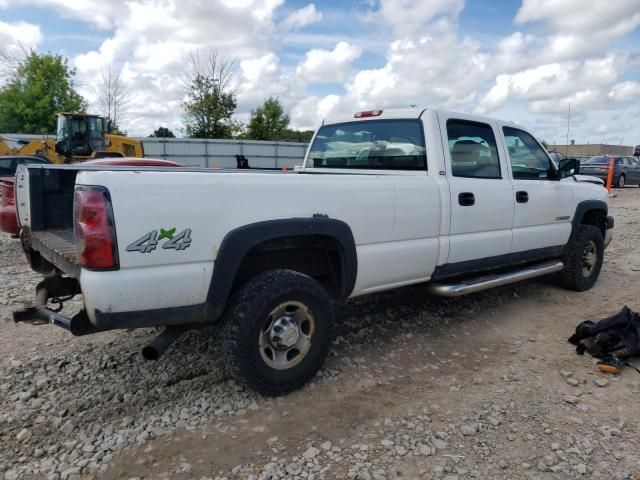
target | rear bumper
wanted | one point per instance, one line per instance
(56, 287)
(8, 220)
(78, 324)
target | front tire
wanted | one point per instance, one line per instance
(277, 330)
(621, 181)
(583, 259)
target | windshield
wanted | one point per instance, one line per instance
(372, 144)
(80, 135)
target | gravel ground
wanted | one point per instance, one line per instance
(480, 387)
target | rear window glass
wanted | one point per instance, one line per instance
(372, 144)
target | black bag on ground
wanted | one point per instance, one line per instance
(618, 335)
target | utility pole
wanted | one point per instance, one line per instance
(566, 149)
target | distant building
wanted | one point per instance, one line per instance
(591, 149)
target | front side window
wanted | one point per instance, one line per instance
(473, 150)
(372, 144)
(529, 161)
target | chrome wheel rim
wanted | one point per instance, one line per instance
(589, 259)
(285, 338)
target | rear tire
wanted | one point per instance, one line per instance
(583, 259)
(277, 330)
(621, 182)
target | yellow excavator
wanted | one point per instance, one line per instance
(79, 137)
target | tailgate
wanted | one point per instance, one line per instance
(44, 200)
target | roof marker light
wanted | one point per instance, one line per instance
(368, 113)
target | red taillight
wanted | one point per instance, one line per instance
(7, 194)
(94, 228)
(368, 113)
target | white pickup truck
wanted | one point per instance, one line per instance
(384, 199)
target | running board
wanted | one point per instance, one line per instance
(484, 282)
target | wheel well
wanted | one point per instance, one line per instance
(597, 218)
(318, 256)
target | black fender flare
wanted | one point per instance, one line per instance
(238, 242)
(581, 209)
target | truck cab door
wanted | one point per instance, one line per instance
(544, 205)
(481, 196)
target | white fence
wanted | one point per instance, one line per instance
(215, 153)
(199, 152)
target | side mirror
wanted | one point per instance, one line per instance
(568, 167)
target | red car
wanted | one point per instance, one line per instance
(8, 219)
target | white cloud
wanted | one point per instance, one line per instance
(309, 112)
(610, 17)
(13, 34)
(329, 65)
(407, 17)
(600, 129)
(262, 77)
(558, 52)
(625, 91)
(434, 68)
(16, 38)
(576, 30)
(550, 88)
(301, 18)
(102, 14)
(155, 61)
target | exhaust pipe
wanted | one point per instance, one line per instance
(162, 342)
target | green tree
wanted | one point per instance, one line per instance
(210, 98)
(41, 87)
(116, 130)
(268, 122)
(298, 135)
(114, 97)
(162, 132)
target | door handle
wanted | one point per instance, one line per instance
(466, 199)
(522, 197)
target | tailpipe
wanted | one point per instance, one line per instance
(162, 342)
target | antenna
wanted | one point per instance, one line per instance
(566, 148)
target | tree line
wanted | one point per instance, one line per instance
(37, 86)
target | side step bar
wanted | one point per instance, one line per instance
(485, 282)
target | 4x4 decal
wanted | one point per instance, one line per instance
(148, 242)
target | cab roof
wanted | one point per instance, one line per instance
(387, 113)
(396, 113)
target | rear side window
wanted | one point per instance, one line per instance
(372, 144)
(473, 150)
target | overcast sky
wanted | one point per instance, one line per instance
(522, 61)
